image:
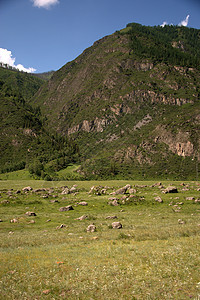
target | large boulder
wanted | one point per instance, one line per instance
(116, 225)
(27, 189)
(91, 228)
(123, 190)
(66, 208)
(170, 189)
(30, 213)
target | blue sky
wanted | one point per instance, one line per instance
(45, 34)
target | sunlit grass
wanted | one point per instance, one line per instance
(153, 256)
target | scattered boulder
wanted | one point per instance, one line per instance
(181, 221)
(82, 218)
(114, 202)
(170, 189)
(96, 190)
(5, 202)
(66, 191)
(61, 226)
(132, 191)
(73, 189)
(111, 217)
(84, 203)
(116, 225)
(190, 198)
(31, 222)
(123, 190)
(30, 213)
(1, 220)
(158, 199)
(39, 190)
(27, 189)
(54, 201)
(91, 228)
(66, 208)
(18, 192)
(197, 201)
(14, 221)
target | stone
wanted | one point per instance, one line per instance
(30, 213)
(14, 221)
(197, 201)
(116, 225)
(158, 199)
(1, 220)
(66, 191)
(84, 203)
(54, 201)
(114, 203)
(111, 217)
(73, 189)
(91, 228)
(170, 189)
(190, 198)
(123, 190)
(181, 221)
(61, 226)
(31, 222)
(5, 202)
(46, 292)
(66, 208)
(27, 189)
(82, 218)
(132, 191)
(18, 192)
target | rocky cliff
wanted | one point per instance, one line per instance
(131, 98)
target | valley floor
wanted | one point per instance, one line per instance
(51, 255)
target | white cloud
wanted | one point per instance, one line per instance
(44, 3)
(6, 58)
(182, 23)
(185, 21)
(163, 24)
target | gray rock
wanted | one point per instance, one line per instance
(111, 217)
(66, 191)
(114, 203)
(116, 225)
(27, 189)
(61, 226)
(190, 198)
(83, 203)
(14, 221)
(123, 190)
(91, 228)
(30, 213)
(158, 199)
(170, 189)
(82, 218)
(66, 208)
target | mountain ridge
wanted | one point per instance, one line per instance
(131, 103)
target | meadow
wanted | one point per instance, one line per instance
(51, 255)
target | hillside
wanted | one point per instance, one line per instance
(131, 102)
(24, 141)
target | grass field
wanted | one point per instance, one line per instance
(155, 255)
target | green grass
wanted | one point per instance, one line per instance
(16, 175)
(151, 257)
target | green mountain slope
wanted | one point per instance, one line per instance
(131, 102)
(24, 141)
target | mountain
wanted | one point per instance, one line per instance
(24, 141)
(131, 103)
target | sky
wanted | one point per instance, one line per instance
(43, 35)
